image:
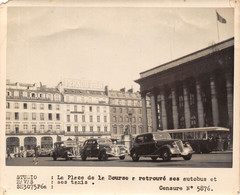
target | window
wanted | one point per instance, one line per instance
(114, 110)
(33, 116)
(90, 118)
(41, 127)
(50, 127)
(8, 127)
(90, 108)
(41, 116)
(181, 101)
(133, 119)
(120, 119)
(121, 129)
(57, 107)
(105, 129)
(83, 118)
(16, 115)
(120, 110)
(114, 119)
(25, 105)
(49, 106)
(91, 128)
(49, 116)
(34, 128)
(8, 116)
(114, 129)
(127, 119)
(134, 130)
(83, 108)
(57, 116)
(140, 119)
(25, 116)
(98, 128)
(75, 108)
(58, 127)
(98, 109)
(83, 128)
(17, 128)
(104, 109)
(33, 95)
(105, 119)
(68, 128)
(75, 118)
(8, 93)
(16, 105)
(8, 105)
(192, 99)
(98, 119)
(33, 106)
(68, 107)
(68, 118)
(76, 128)
(41, 106)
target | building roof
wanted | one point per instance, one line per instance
(188, 58)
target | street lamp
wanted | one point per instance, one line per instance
(130, 118)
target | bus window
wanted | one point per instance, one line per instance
(189, 135)
(177, 136)
(201, 135)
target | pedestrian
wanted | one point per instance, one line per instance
(8, 153)
(35, 158)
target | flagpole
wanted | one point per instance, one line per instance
(217, 27)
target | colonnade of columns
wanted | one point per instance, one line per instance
(158, 98)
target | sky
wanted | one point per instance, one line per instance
(109, 45)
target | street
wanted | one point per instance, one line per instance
(212, 160)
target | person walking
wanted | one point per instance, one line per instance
(35, 158)
(8, 153)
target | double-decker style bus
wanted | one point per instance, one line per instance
(203, 139)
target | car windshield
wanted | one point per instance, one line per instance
(161, 136)
(104, 141)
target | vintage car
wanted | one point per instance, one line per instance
(102, 149)
(44, 152)
(159, 144)
(63, 149)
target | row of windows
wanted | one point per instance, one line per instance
(91, 129)
(82, 99)
(126, 110)
(77, 118)
(125, 102)
(119, 130)
(77, 108)
(127, 119)
(33, 128)
(32, 116)
(33, 106)
(34, 95)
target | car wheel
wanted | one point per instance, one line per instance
(54, 158)
(122, 157)
(103, 156)
(154, 158)
(135, 156)
(187, 157)
(166, 155)
(84, 157)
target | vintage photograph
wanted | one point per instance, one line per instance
(119, 87)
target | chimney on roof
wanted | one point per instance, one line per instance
(106, 90)
(130, 90)
(122, 90)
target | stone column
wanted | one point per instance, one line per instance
(174, 108)
(144, 113)
(229, 88)
(153, 112)
(199, 105)
(21, 141)
(163, 111)
(215, 112)
(186, 106)
(39, 140)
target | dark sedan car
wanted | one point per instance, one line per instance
(102, 149)
(159, 144)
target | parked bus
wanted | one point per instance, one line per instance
(203, 139)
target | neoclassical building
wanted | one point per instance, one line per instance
(193, 91)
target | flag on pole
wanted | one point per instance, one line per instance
(220, 18)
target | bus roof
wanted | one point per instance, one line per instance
(196, 129)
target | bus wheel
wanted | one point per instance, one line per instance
(188, 157)
(166, 155)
